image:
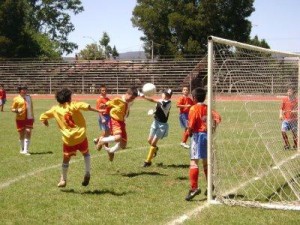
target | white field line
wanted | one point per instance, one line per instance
(181, 219)
(262, 175)
(33, 173)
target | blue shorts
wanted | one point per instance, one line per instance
(106, 125)
(183, 120)
(159, 130)
(289, 125)
(2, 101)
(198, 146)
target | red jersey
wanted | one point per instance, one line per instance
(101, 101)
(198, 118)
(185, 100)
(2, 94)
(289, 108)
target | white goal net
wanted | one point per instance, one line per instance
(248, 164)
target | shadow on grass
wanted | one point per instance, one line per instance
(95, 192)
(141, 174)
(181, 166)
(41, 153)
(182, 178)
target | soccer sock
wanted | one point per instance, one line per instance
(194, 173)
(185, 136)
(115, 148)
(152, 150)
(108, 139)
(26, 144)
(87, 163)
(64, 170)
(285, 138)
(21, 144)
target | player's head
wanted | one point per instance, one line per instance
(185, 90)
(131, 94)
(199, 94)
(64, 95)
(22, 88)
(167, 93)
(291, 91)
(103, 89)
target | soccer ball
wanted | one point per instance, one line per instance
(149, 89)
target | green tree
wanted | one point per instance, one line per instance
(181, 27)
(36, 28)
(260, 43)
(115, 52)
(92, 52)
(105, 43)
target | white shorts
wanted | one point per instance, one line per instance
(159, 130)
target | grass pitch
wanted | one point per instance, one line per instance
(121, 192)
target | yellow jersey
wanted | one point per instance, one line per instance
(24, 103)
(119, 108)
(70, 121)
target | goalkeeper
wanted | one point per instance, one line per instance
(197, 128)
(288, 115)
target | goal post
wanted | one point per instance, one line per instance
(247, 162)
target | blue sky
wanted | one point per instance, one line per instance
(274, 20)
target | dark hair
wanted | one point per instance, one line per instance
(199, 94)
(133, 91)
(63, 95)
(23, 87)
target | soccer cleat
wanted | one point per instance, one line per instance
(99, 144)
(24, 153)
(294, 147)
(62, 183)
(111, 156)
(95, 140)
(184, 145)
(86, 180)
(286, 147)
(147, 164)
(192, 194)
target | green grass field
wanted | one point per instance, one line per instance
(121, 192)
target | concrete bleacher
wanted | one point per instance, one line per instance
(45, 77)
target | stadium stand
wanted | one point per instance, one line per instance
(45, 77)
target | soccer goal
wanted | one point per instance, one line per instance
(248, 164)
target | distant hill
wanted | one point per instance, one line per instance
(132, 55)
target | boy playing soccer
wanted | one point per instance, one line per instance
(23, 107)
(73, 127)
(288, 115)
(2, 97)
(119, 111)
(197, 128)
(104, 117)
(184, 104)
(159, 127)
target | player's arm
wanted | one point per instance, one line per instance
(216, 120)
(44, 117)
(15, 108)
(150, 99)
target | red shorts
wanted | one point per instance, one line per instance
(119, 127)
(83, 147)
(23, 124)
